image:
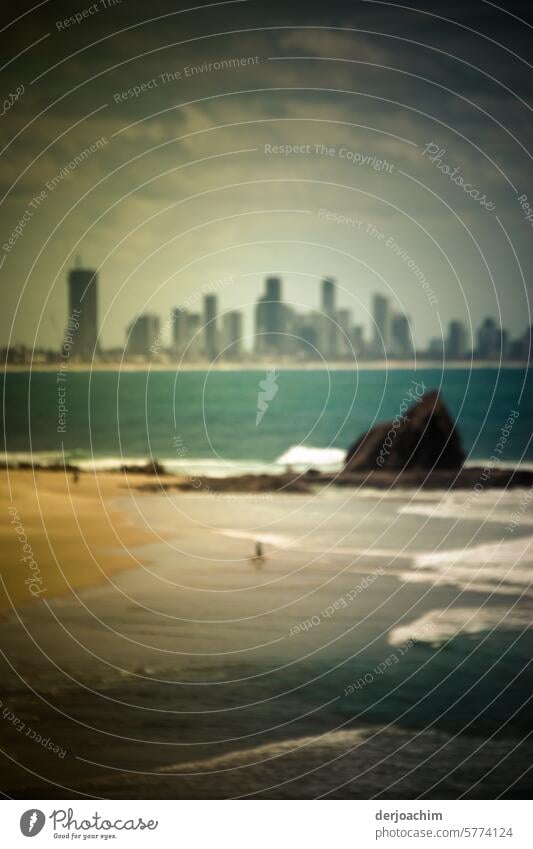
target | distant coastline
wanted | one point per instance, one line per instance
(366, 365)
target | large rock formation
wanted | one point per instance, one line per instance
(422, 436)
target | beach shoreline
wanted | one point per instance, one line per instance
(152, 477)
(66, 530)
(261, 366)
(187, 669)
(59, 536)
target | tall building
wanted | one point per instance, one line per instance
(382, 326)
(344, 322)
(270, 319)
(328, 296)
(320, 324)
(297, 327)
(273, 289)
(522, 348)
(402, 346)
(489, 340)
(210, 327)
(181, 332)
(357, 336)
(456, 343)
(142, 334)
(232, 334)
(187, 341)
(195, 349)
(83, 303)
(527, 341)
(331, 331)
(307, 339)
(436, 348)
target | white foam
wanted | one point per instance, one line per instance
(492, 505)
(304, 456)
(210, 467)
(438, 626)
(267, 751)
(107, 464)
(523, 465)
(276, 540)
(37, 458)
(214, 468)
(504, 567)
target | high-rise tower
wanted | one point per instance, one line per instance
(270, 318)
(331, 331)
(382, 326)
(210, 327)
(83, 303)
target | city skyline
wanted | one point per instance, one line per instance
(262, 170)
(329, 333)
(267, 276)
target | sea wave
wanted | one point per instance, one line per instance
(298, 457)
(500, 567)
(490, 505)
(303, 457)
(438, 626)
(371, 762)
(524, 465)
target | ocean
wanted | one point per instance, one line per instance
(382, 650)
(207, 421)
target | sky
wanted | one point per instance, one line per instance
(245, 138)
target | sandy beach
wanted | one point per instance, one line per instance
(266, 456)
(71, 534)
(380, 646)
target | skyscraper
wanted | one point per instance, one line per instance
(436, 348)
(270, 319)
(195, 348)
(456, 343)
(273, 289)
(83, 302)
(382, 326)
(307, 348)
(142, 334)
(232, 334)
(181, 331)
(489, 340)
(328, 296)
(331, 330)
(401, 336)
(210, 327)
(357, 336)
(344, 321)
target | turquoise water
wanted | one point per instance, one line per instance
(212, 415)
(191, 676)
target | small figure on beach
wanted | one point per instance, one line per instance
(75, 476)
(258, 558)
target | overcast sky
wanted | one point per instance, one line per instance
(186, 189)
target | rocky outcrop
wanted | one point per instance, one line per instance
(422, 436)
(151, 467)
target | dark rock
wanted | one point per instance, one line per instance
(421, 437)
(151, 467)
(443, 479)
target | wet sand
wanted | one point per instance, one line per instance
(196, 674)
(72, 535)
